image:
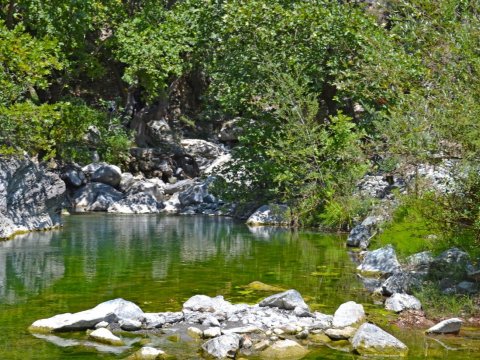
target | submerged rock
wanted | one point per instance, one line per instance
(284, 349)
(259, 286)
(348, 314)
(105, 336)
(147, 353)
(371, 340)
(341, 334)
(400, 302)
(449, 326)
(223, 347)
(380, 261)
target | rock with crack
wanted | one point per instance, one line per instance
(30, 196)
(223, 347)
(370, 340)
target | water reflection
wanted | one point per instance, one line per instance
(29, 263)
(112, 254)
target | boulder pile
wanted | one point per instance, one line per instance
(281, 326)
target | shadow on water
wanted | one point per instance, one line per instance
(159, 262)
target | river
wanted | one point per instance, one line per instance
(159, 262)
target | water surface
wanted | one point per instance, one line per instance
(159, 262)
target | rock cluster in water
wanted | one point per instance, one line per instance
(279, 327)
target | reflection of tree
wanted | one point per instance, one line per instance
(167, 259)
(29, 263)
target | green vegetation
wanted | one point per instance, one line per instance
(436, 304)
(327, 91)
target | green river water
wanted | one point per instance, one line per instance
(159, 262)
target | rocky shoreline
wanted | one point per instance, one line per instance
(281, 326)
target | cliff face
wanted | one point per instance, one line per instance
(30, 197)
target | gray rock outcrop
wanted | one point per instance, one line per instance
(380, 261)
(95, 197)
(401, 282)
(30, 197)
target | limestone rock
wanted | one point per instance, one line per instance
(105, 336)
(139, 203)
(449, 326)
(222, 347)
(401, 282)
(202, 151)
(371, 340)
(212, 332)
(73, 177)
(107, 174)
(30, 197)
(95, 197)
(400, 302)
(284, 349)
(380, 261)
(130, 324)
(179, 186)
(362, 233)
(270, 215)
(288, 300)
(348, 314)
(420, 261)
(109, 311)
(203, 303)
(193, 195)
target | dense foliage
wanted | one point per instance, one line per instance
(326, 90)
